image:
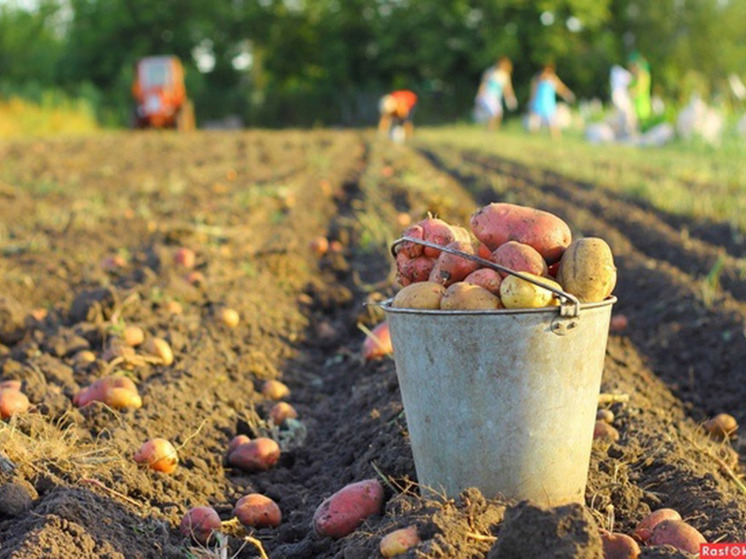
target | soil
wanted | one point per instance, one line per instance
(88, 232)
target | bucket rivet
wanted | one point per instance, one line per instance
(562, 326)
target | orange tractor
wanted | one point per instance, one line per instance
(160, 96)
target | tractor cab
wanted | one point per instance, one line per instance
(160, 95)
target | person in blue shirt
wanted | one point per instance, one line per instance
(543, 105)
(496, 86)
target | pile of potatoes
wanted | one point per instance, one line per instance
(534, 242)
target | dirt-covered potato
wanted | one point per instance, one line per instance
(517, 293)
(679, 534)
(467, 296)
(587, 270)
(422, 295)
(498, 223)
(348, 508)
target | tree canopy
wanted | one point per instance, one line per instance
(307, 62)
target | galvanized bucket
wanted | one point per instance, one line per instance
(502, 400)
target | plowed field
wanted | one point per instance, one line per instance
(88, 232)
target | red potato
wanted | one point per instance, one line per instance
(111, 263)
(678, 534)
(520, 258)
(237, 441)
(619, 546)
(413, 270)
(437, 232)
(348, 508)
(482, 251)
(115, 391)
(378, 344)
(195, 277)
(450, 268)
(185, 257)
(486, 278)
(645, 528)
(257, 511)
(275, 390)
(319, 245)
(255, 456)
(498, 223)
(12, 402)
(282, 411)
(199, 523)
(603, 430)
(408, 248)
(553, 269)
(159, 455)
(399, 541)
(336, 247)
(618, 324)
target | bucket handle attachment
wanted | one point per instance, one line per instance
(569, 304)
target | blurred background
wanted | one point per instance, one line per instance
(298, 63)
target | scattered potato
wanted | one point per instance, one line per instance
(229, 317)
(160, 348)
(159, 455)
(619, 546)
(174, 307)
(257, 511)
(403, 219)
(275, 390)
(195, 277)
(466, 296)
(133, 336)
(399, 541)
(348, 508)
(603, 430)
(587, 270)
(282, 411)
(722, 426)
(618, 324)
(422, 295)
(237, 441)
(606, 416)
(319, 245)
(255, 456)
(378, 344)
(646, 526)
(678, 534)
(519, 257)
(12, 402)
(516, 293)
(84, 357)
(199, 523)
(116, 391)
(185, 257)
(498, 223)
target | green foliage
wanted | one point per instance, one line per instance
(328, 61)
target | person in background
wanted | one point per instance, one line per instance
(396, 109)
(496, 85)
(545, 87)
(620, 79)
(640, 86)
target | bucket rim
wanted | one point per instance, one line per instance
(386, 306)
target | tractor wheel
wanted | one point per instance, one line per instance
(185, 121)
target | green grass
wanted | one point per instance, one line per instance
(689, 179)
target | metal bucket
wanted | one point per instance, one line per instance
(502, 400)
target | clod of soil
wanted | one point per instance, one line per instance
(15, 500)
(530, 532)
(12, 320)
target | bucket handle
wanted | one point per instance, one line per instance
(569, 304)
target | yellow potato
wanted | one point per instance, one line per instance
(517, 293)
(587, 270)
(420, 295)
(467, 296)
